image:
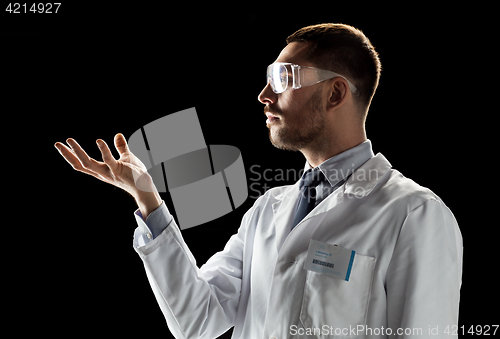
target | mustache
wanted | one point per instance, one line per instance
(274, 111)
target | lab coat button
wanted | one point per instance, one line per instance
(149, 235)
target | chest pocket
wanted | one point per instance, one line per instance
(338, 303)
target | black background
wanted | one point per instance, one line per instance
(90, 71)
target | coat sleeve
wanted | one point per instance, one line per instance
(424, 276)
(196, 302)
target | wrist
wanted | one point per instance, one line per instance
(147, 202)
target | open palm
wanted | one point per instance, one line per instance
(128, 172)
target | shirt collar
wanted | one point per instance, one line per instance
(341, 166)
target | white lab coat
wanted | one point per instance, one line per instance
(406, 274)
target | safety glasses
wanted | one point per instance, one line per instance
(281, 75)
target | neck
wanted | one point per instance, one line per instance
(330, 145)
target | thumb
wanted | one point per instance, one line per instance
(121, 144)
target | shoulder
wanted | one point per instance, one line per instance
(406, 190)
(417, 205)
(386, 187)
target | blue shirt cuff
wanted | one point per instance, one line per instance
(156, 222)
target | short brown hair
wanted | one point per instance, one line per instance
(344, 50)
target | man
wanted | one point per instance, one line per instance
(354, 249)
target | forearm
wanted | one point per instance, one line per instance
(197, 303)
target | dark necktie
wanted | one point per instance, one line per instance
(308, 184)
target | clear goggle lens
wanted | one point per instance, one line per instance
(277, 76)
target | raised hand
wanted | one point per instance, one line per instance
(127, 173)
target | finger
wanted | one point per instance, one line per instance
(121, 144)
(78, 151)
(69, 156)
(106, 155)
(73, 160)
(87, 162)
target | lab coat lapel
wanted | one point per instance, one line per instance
(284, 210)
(366, 177)
(330, 202)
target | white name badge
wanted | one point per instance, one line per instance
(330, 260)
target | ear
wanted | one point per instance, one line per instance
(338, 94)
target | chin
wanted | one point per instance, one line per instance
(278, 139)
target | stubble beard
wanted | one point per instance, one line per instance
(305, 131)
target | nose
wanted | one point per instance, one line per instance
(267, 96)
